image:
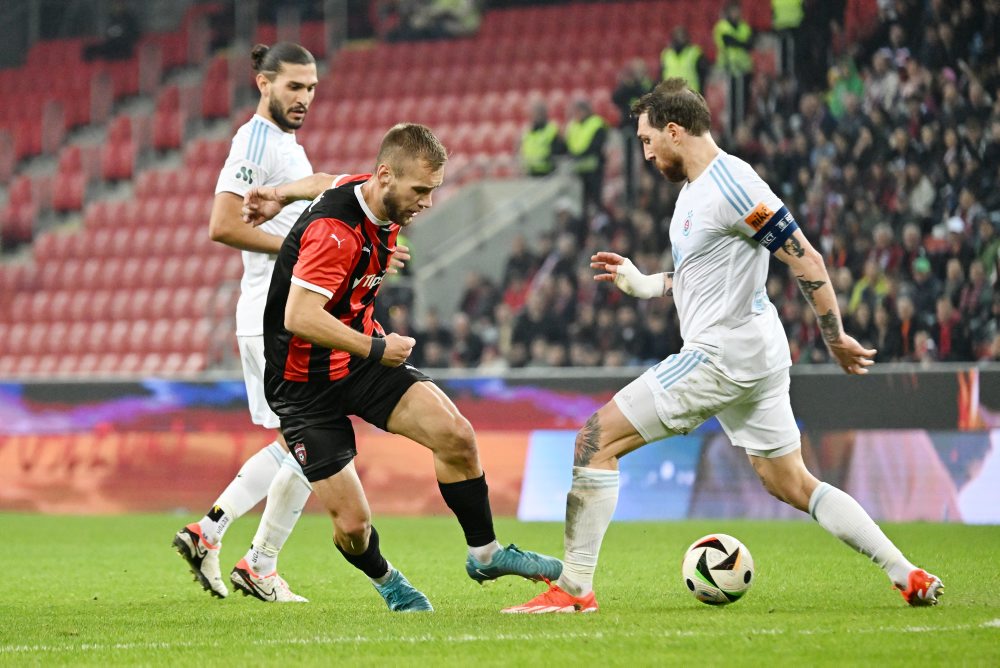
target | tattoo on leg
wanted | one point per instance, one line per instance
(829, 326)
(587, 442)
(793, 247)
(809, 287)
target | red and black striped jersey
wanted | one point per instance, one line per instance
(336, 248)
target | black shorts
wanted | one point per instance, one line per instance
(314, 415)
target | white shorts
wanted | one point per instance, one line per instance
(684, 390)
(252, 356)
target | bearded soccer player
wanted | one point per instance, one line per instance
(735, 358)
(327, 359)
(264, 151)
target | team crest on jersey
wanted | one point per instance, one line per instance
(687, 223)
(300, 452)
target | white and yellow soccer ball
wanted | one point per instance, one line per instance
(718, 569)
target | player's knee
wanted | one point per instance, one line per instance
(352, 533)
(457, 443)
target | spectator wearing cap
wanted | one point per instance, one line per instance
(956, 247)
(926, 288)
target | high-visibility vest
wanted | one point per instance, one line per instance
(787, 14)
(579, 136)
(683, 65)
(733, 59)
(536, 149)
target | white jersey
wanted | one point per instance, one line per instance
(724, 225)
(262, 155)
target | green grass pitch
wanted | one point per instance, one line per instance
(110, 590)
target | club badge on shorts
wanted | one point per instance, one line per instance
(300, 453)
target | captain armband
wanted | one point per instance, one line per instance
(775, 232)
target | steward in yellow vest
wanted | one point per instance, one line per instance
(585, 136)
(732, 37)
(684, 59)
(541, 143)
(787, 15)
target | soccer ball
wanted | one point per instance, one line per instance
(717, 569)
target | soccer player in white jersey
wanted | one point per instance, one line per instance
(264, 152)
(734, 363)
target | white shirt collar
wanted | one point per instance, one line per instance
(272, 124)
(368, 212)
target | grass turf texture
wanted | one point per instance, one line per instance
(111, 590)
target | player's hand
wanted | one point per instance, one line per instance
(398, 259)
(260, 205)
(852, 357)
(607, 262)
(397, 349)
(626, 277)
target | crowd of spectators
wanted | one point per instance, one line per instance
(890, 168)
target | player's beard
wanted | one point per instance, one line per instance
(393, 211)
(281, 119)
(673, 168)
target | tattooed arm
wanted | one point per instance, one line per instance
(814, 281)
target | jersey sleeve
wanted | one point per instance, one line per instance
(248, 164)
(757, 212)
(327, 251)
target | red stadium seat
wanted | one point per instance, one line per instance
(118, 161)
(69, 192)
(168, 131)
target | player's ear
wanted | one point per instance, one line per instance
(262, 83)
(675, 132)
(384, 174)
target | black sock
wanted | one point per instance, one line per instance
(470, 501)
(370, 562)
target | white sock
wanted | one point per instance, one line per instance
(385, 578)
(842, 516)
(243, 493)
(590, 505)
(286, 498)
(484, 553)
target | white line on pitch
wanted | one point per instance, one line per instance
(471, 638)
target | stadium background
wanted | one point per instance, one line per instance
(118, 368)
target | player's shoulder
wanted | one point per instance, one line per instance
(339, 203)
(736, 169)
(253, 138)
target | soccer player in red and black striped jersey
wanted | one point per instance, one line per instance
(327, 359)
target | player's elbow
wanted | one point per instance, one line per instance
(294, 322)
(815, 260)
(218, 232)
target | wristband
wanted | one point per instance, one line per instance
(377, 349)
(633, 282)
